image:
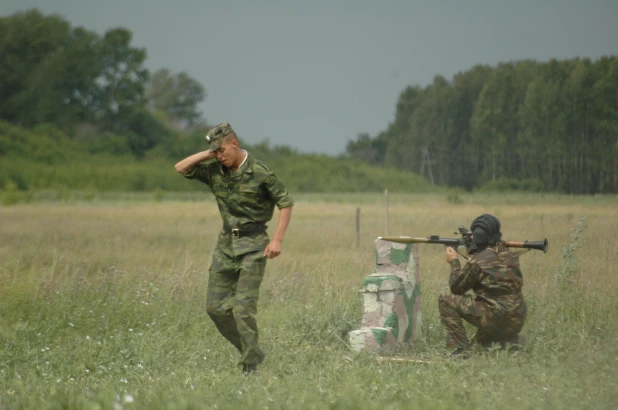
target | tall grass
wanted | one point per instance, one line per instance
(102, 306)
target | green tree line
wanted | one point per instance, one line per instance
(44, 158)
(80, 111)
(549, 126)
(523, 125)
(95, 88)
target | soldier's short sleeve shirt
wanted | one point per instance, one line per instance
(248, 196)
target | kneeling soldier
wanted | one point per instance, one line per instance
(497, 308)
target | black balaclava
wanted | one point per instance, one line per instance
(486, 231)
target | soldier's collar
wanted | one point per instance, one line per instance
(248, 165)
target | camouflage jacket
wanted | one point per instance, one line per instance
(246, 199)
(494, 276)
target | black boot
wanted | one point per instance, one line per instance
(247, 369)
(515, 344)
(460, 353)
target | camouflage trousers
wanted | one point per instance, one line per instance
(494, 324)
(231, 302)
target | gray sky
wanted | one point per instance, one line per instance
(314, 74)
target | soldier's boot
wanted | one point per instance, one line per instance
(461, 353)
(262, 355)
(248, 369)
(515, 344)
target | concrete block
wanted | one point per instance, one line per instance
(391, 298)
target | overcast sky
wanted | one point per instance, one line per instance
(314, 74)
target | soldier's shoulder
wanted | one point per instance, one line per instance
(506, 252)
(485, 256)
(258, 163)
(261, 168)
(474, 259)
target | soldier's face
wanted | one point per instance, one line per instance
(226, 154)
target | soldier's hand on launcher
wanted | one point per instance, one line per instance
(450, 254)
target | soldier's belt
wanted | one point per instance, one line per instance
(237, 233)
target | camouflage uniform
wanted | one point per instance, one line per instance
(497, 309)
(246, 201)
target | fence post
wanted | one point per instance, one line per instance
(357, 227)
(386, 213)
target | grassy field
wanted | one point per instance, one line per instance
(102, 307)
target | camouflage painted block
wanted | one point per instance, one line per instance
(391, 299)
(372, 339)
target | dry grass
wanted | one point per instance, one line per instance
(144, 264)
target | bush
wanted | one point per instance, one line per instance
(108, 144)
(45, 144)
(45, 158)
(455, 199)
(12, 195)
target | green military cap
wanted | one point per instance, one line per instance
(216, 134)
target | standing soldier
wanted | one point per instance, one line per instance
(497, 307)
(246, 191)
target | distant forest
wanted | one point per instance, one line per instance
(546, 126)
(79, 110)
